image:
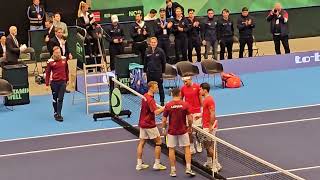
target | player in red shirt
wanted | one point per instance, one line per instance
(190, 92)
(148, 128)
(178, 132)
(57, 69)
(209, 124)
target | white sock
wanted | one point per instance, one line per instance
(209, 159)
(157, 161)
(188, 166)
(173, 168)
(139, 161)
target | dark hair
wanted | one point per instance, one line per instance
(138, 14)
(191, 10)
(175, 92)
(57, 13)
(168, 1)
(153, 11)
(205, 86)
(210, 9)
(245, 9)
(49, 20)
(225, 10)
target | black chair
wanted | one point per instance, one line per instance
(186, 68)
(6, 89)
(211, 67)
(170, 74)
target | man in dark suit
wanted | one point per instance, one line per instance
(13, 48)
(171, 9)
(58, 40)
(50, 30)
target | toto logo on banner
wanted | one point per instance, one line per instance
(307, 59)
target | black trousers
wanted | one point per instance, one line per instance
(58, 89)
(194, 43)
(181, 47)
(243, 42)
(212, 43)
(285, 42)
(139, 48)
(115, 49)
(157, 76)
(164, 44)
(226, 42)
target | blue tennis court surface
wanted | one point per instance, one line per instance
(275, 116)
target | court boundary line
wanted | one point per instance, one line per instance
(68, 147)
(275, 172)
(113, 128)
(270, 124)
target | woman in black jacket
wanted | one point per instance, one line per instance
(86, 21)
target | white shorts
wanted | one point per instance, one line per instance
(195, 122)
(149, 133)
(214, 130)
(178, 140)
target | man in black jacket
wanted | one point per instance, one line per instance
(50, 30)
(156, 65)
(194, 40)
(59, 41)
(225, 34)
(180, 29)
(162, 31)
(139, 33)
(171, 9)
(245, 24)
(209, 34)
(115, 35)
(36, 15)
(278, 19)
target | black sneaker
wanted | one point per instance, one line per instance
(162, 103)
(59, 118)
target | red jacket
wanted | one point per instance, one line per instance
(57, 70)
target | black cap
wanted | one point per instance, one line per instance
(245, 9)
(162, 9)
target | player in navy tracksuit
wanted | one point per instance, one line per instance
(245, 24)
(209, 34)
(225, 34)
(194, 35)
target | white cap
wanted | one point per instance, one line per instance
(114, 18)
(186, 78)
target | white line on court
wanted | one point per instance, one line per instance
(271, 124)
(67, 148)
(106, 129)
(270, 173)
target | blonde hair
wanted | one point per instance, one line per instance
(153, 38)
(81, 5)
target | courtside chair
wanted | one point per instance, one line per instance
(170, 75)
(186, 68)
(211, 67)
(6, 90)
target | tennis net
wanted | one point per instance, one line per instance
(236, 163)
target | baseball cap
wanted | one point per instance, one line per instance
(245, 9)
(114, 18)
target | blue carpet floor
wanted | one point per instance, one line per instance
(266, 90)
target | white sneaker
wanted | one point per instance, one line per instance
(159, 167)
(141, 166)
(208, 165)
(190, 172)
(218, 165)
(173, 173)
(199, 146)
(192, 149)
